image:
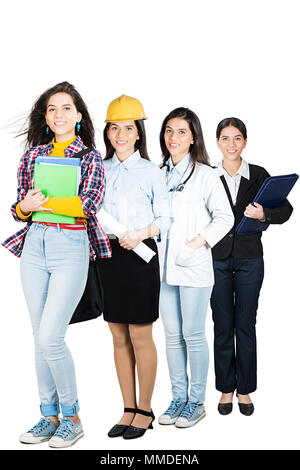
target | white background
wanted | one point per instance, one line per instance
(221, 59)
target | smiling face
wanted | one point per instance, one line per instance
(123, 136)
(178, 138)
(62, 116)
(231, 143)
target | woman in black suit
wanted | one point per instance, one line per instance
(239, 271)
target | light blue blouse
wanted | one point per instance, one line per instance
(174, 176)
(136, 193)
(176, 173)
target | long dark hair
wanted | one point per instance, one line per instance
(197, 149)
(140, 144)
(232, 121)
(36, 130)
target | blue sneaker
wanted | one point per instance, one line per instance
(173, 412)
(190, 415)
(42, 431)
(66, 434)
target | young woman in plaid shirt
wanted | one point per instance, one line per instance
(55, 257)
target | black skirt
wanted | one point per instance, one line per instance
(131, 286)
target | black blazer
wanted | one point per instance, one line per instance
(249, 246)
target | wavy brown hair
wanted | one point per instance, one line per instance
(197, 149)
(35, 131)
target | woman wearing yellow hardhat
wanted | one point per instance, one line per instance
(136, 196)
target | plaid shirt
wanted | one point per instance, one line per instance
(91, 193)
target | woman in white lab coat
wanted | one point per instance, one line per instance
(202, 216)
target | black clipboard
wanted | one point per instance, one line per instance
(272, 193)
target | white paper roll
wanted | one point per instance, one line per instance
(113, 226)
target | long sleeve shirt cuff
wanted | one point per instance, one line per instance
(20, 213)
(164, 223)
(70, 206)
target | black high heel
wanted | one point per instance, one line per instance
(132, 432)
(119, 429)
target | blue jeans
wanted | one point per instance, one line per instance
(183, 311)
(54, 267)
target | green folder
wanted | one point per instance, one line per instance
(55, 181)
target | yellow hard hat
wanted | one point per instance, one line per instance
(125, 108)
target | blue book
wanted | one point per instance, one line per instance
(58, 161)
(272, 193)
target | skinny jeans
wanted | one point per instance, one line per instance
(54, 267)
(183, 311)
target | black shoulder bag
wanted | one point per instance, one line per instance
(91, 303)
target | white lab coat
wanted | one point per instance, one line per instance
(201, 208)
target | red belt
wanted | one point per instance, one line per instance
(77, 226)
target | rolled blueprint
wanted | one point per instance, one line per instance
(113, 226)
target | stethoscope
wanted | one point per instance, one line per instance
(181, 186)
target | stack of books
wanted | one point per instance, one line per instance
(56, 177)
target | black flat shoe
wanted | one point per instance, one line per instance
(225, 408)
(119, 429)
(132, 432)
(246, 409)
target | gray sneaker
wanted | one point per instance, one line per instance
(41, 432)
(191, 414)
(66, 434)
(173, 412)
